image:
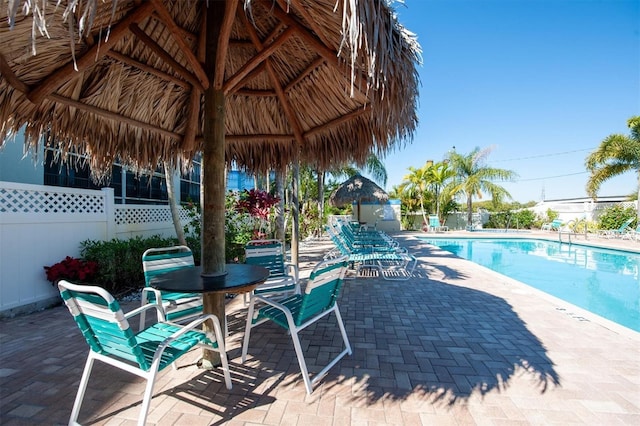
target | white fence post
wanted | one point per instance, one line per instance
(109, 211)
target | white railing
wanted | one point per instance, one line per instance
(40, 225)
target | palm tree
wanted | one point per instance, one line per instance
(474, 177)
(615, 155)
(417, 184)
(438, 177)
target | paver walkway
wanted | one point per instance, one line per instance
(457, 344)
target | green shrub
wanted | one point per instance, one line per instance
(120, 261)
(521, 219)
(613, 217)
(548, 217)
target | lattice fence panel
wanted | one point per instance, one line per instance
(138, 215)
(21, 201)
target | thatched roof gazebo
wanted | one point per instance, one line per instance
(300, 80)
(262, 83)
(359, 189)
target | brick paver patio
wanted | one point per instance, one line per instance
(457, 344)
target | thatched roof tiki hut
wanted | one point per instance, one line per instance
(359, 189)
(262, 83)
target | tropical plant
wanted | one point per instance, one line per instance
(439, 175)
(616, 154)
(72, 269)
(473, 177)
(613, 217)
(259, 205)
(416, 184)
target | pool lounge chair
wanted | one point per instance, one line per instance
(617, 233)
(554, 225)
(391, 263)
(434, 224)
(632, 234)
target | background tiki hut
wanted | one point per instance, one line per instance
(259, 83)
(357, 189)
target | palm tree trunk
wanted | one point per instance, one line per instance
(424, 216)
(320, 201)
(281, 176)
(638, 201)
(173, 205)
(469, 211)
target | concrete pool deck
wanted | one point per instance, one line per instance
(457, 344)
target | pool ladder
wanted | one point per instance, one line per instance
(571, 230)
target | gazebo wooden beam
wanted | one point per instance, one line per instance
(167, 58)
(257, 71)
(288, 110)
(338, 121)
(151, 70)
(113, 116)
(223, 42)
(11, 77)
(68, 72)
(260, 138)
(195, 97)
(312, 66)
(186, 34)
(295, 4)
(257, 59)
(258, 93)
(330, 55)
(174, 30)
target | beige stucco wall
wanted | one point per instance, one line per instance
(385, 217)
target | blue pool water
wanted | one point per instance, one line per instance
(605, 282)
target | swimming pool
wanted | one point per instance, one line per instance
(605, 282)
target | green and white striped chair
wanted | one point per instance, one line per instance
(111, 340)
(177, 307)
(297, 312)
(283, 277)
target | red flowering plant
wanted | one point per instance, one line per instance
(72, 269)
(258, 204)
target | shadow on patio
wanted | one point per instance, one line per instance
(422, 338)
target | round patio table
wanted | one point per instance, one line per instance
(237, 278)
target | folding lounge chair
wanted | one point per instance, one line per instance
(632, 234)
(283, 277)
(393, 264)
(111, 340)
(554, 225)
(297, 312)
(377, 240)
(434, 224)
(177, 307)
(623, 229)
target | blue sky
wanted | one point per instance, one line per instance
(542, 81)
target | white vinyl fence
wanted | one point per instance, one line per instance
(40, 225)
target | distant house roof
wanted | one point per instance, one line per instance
(600, 199)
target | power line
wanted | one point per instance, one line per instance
(544, 155)
(552, 177)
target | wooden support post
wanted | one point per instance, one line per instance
(212, 187)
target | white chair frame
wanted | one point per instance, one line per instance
(296, 329)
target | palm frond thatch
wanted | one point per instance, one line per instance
(300, 79)
(357, 189)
